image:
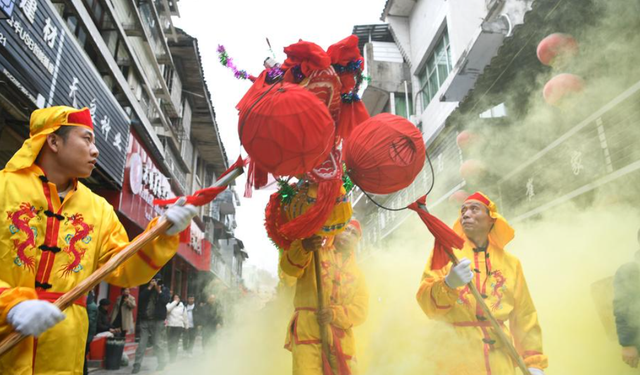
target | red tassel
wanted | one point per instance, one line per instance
(274, 217)
(256, 178)
(445, 238)
(307, 224)
(351, 115)
(343, 366)
(203, 196)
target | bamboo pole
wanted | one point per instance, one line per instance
(320, 292)
(101, 273)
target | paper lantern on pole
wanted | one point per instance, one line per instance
(562, 87)
(287, 130)
(556, 49)
(384, 154)
(472, 170)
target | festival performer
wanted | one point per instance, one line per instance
(444, 295)
(346, 302)
(56, 233)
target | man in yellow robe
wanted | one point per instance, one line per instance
(346, 301)
(56, 233)
(445, 296)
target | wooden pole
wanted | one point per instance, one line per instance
(494, 323)
(101, 273)
(320, 292)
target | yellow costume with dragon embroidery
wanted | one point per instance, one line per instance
(48, 247)
(498, 275)
(345, 292)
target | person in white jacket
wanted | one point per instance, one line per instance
(177, 321)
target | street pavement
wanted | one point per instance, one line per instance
(150, 363)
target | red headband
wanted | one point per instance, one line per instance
(479, 197)
(82, 117)
(356, 224)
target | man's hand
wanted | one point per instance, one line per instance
(630, 356)
(33, 317)
(325, 316)
(312, 243)
(535, 371)
(459, 275)
(180, 215)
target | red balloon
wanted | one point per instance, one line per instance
(288, 131)
(472, 169)
(561, 87)
(384, 154)
(556, 49)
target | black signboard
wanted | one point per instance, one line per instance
(44, 61)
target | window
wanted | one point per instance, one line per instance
(436, 69)
(401, 105)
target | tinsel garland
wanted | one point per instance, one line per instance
(352, 66)
(227, 61)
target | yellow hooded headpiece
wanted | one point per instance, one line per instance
(44, 122)
(501, 233)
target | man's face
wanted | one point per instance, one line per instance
(347, 240)
(475, 219)
(77, 154)
(125, 292)
(191, 300)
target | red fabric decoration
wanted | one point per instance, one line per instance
(384, 154)
(288, 131)
(202, 196)
(308, 55)
(557, 49)
(445, 238)
(252, 95)
(472, 170)
(256, 177)
(356, 224)
(344, 51)
(82, 117)
(275, 217)
(562, 87)
(351, 115)
(307, 224)
(325, 85)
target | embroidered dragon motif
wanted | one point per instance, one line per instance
(75, 252)
(463, 297)
(498, 289)
(20, 223)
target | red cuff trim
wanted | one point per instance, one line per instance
(294, 264)
(148, 260)
(436, 304)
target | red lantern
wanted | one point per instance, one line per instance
(384, 154)
(557, 49)
(458, 197)
(562, 87)
(472, 170)
(288, 131)
(465, 139)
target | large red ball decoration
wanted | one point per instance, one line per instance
(472, 170)
(561, 87)
(288, 131)
(384, 154)
(557, 49)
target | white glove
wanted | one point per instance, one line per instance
(33, 317)
(179, 215)
(459, 275)
(535, 371)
